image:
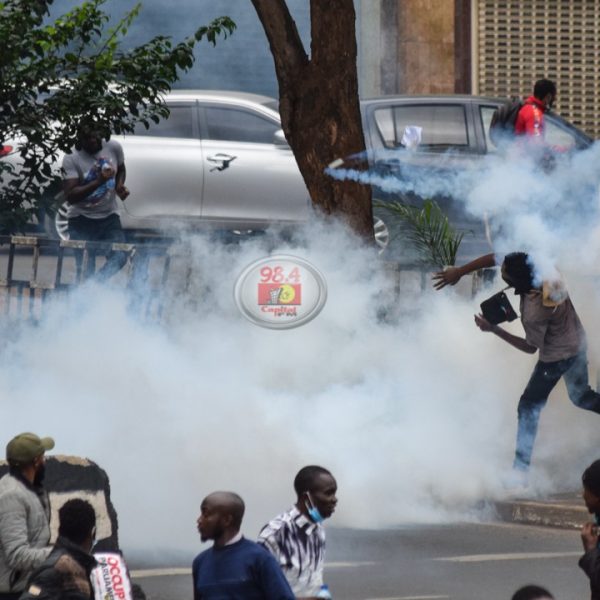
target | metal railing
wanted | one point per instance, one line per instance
(35, 270)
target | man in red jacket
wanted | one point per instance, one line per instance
(530, 120)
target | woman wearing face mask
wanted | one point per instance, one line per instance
(297, 538)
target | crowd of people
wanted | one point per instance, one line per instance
(285, 563)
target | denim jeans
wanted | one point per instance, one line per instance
(543, 379)
(107, 229)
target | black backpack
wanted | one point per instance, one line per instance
(502, 125)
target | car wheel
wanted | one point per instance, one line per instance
(381, 233)
(57, 225)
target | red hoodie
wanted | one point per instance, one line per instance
(530, 120)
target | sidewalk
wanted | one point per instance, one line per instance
(565, 510)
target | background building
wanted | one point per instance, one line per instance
(487, 47)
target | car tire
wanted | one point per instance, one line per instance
(56, 225)
(381, 234)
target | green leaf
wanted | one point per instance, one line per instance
(87, 70)
(428, 230)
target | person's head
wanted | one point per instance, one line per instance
(591, 487)
(26, 453)
(532, 592)
(316, 490)
(90, 136)
(77, 523)
(221, 515)
(518, 272)
(545, 91)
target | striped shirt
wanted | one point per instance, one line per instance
(298, 544)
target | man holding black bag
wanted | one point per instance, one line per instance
(551, 326)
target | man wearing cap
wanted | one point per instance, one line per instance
(24, 513)
(590, 561)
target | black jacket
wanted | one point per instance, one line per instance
(64, 575)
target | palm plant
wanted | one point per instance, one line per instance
(429, 230)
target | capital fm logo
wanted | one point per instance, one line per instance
(280, 292)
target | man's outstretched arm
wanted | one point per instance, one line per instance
(452, 275)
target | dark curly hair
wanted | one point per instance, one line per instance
(77, 519)
(591, 478)
(532, 592)
(518, 268)
(543, 87)
(306, 477)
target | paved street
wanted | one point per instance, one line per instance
(458, 562)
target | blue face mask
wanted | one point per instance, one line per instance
(313, 511)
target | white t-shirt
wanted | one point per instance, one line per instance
(86, 167)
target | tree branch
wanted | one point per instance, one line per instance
(286, 46)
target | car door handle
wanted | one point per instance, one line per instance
(222, 161)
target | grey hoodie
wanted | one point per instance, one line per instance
(24, 531)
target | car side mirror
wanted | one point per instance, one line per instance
(279, 138)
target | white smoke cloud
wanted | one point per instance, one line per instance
(553, 214)
(414, 414)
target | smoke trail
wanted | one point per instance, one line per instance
(553, 214)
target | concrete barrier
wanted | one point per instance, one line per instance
(70, 477)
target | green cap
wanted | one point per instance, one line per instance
(24, 447)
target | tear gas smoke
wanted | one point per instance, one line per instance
(553, 215)
(415, 416)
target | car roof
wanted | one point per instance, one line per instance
(433, 98)
(219, 95)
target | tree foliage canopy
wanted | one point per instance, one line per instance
(53, 74)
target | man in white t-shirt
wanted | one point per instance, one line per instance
(93, 176)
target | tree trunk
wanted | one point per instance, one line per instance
(318, 102)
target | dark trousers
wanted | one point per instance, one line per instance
(107, 229)
(543, 379)
(10, 595)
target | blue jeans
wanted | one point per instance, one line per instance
(107, 229)
(543, 379)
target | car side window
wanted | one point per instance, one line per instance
(178, 125)
(559, 137)
(233, 125)
(555, 135)
(444, 126)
